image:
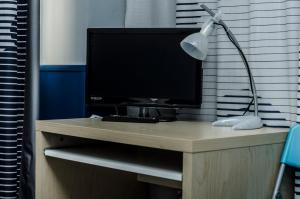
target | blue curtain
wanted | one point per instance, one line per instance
(13, 48)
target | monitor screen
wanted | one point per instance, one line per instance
(128, 66)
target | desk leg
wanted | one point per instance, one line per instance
(38, 165)
(188, 179)
(47, 185)
(242, 173)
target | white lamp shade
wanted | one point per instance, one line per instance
(196, 45)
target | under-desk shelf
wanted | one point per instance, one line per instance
(150, 164)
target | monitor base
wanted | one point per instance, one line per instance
(163, 114)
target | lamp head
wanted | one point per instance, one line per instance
(195, 45)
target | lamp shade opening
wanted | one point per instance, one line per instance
(196, 45)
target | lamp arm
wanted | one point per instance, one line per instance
(251, 79)
(221, 22)
(233, 39)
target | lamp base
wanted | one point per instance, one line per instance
(240, 122)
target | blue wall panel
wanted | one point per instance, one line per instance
(62, 91)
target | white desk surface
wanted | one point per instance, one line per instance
(180, 136)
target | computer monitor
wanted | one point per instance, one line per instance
(142, 67)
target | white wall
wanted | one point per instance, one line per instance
(64, 24)
(107, 13)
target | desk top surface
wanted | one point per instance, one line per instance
(177, 136)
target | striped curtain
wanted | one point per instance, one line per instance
(13, 30)
(297, 178)
(269, 32)
(297, 185)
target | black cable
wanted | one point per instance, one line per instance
(248, 107)
(246, 63)
(116, 109)
(141, 111)
(158, 112)
(147, 112)
(241, 53)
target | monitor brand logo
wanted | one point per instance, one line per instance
(97, 98)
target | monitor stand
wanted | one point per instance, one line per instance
(163, 114)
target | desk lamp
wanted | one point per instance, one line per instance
(196, 45)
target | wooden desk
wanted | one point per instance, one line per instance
(213, 162)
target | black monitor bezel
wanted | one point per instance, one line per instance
(142, 102)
